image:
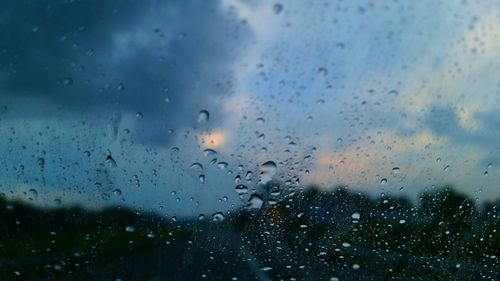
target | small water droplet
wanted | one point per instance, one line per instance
(139, 115)
(356, 216)
(68, 81)
(33, 192)
(202, 178)
(277, 8)
(86, 153)
(117, 192)
(222, 165)
(218, 217)
(261, 121)
(209, 152)
(129, 229)
(196, 166)
(237, 179)
(383, 181)
(446, 168)
(110, 161)
(322, 71)
(241, 189)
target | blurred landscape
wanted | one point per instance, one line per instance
(306, 235)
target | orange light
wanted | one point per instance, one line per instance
(213, 140)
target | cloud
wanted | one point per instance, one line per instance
(118, 58)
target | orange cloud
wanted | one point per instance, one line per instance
(214, 139)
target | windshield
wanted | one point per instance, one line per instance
(249, 140)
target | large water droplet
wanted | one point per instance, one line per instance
(255, 201)
(218, 217)
(203, 116)
(268, 170)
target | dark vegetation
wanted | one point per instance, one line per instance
(309, 235)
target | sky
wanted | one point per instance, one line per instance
(168, 105)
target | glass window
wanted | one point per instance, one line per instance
(249, 140)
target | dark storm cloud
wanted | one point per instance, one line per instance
(79, 54)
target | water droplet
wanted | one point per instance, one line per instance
(209, 152)
(120, 87)
(255, 201)
(393, 93)
(277, 8)
(355, 266)
(222, 165)
(322, 71)
(68, 81)
(402, 221)
(203, 116)
(395, 170)
(237, 179)
(110, 161)
(268, 170)
(33, 192)
(41, 163)
(117, 192)
(202, 178)
(196, 166)
(383, 181)
(241, 189)
(346, 245)
(139, 115)
(201, 217)
(356, 216)
(446, 168)
(86, 153)
(150, 235)
(218, 217)
(266, 268)
(129, 229)
(261, 121)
